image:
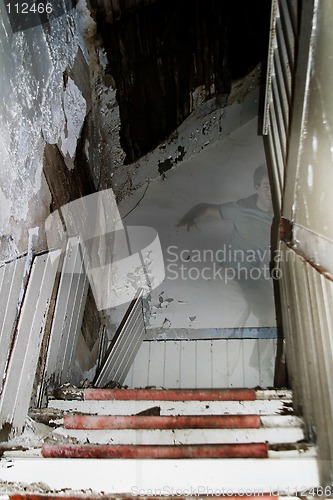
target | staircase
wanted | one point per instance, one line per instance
(158, 442)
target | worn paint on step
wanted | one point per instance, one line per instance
(163, 422)
(257, 450)
(116, 407)
(171, 394)
(180, 436)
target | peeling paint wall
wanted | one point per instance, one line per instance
(41, 104)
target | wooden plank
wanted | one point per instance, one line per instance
(60, 325)
(128, 382)
(22, 365)
(204, 364)
(266, 362)
(74, 311)
(99, 422)
(11, 288)
(172, 365)
(170, 394)
(156, 364)
(219, 363)
(238, 450)
(235, 363)
(124, 346)
(188, 364)
(251, 363)
(123, 357)
(66, 326)
(290, 434)
(167, 407)
(141, 366)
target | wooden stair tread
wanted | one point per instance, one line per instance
(161, 422)
(256, 450)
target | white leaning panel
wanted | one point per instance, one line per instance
(11, 289)
(21, 370)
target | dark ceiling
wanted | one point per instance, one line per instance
(159, 51)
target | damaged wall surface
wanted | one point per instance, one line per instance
(45, 99)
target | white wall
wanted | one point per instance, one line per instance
(204, 364)
(220, 173)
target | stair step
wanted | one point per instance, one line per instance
(61, 496)
(181, 477)
(171, 451)
(171, 394)
(182, 436)
(257, 450)
(169, 443)
(70, 393)
(162, 422)
(116, 407)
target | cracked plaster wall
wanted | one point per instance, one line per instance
(44, 102)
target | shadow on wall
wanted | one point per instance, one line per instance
(213, 214)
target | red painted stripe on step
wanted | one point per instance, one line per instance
(59, 496)
(95, 422)
(256, 450)
(55, 496)
(171, 394)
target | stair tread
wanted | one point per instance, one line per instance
(120, 407)
(91, 496)
(161, 422)
(147, 476)
(248, 450)
(73, 393)
(206, 437)
(170, 394)
(181, 436)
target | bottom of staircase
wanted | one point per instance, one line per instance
(165, 444)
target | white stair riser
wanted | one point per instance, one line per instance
(184, 436)
(285, 394)
(302, 454)
(155, 477)
(259, 407)
(274, 421)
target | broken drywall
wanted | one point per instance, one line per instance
(207, 124)
(40, 105)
